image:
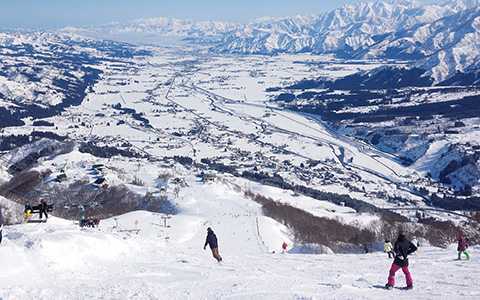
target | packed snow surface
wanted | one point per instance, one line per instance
(134, 256)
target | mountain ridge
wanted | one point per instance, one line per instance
(381, 29)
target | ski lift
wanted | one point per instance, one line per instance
(209, 177)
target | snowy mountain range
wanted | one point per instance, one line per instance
(157, 31)
(341, 31)
(441, 38)
(444, 47)
(171, 27)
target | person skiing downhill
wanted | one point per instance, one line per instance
(213, 243)
(402, 249)
(462, 246)
(388, 248)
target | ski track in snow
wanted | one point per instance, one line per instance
(56, 260)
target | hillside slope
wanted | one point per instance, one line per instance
(115, 262)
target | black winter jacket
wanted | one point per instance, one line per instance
(211, 240)
(402, 249)
(43, 206)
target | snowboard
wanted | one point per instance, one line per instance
(37, 221)
(383, 287)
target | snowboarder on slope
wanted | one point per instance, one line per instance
(43, 209)
(403, 248)
(388, 248)
(213, 243)
(462, 246)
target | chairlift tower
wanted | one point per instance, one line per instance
(165, 218)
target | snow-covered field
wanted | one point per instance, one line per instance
(203, 106)
(57, 260)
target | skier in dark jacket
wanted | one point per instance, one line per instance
(43, 209)
(403, 248)
(213, 243)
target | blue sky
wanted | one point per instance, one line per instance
(58, 13)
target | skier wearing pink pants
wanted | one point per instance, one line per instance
(403, 248)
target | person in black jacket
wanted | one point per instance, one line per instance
(402, 248)
(213, 243)
(43, 209)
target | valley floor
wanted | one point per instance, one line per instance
(56, 260)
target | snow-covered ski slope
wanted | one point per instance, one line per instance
(134, 257)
